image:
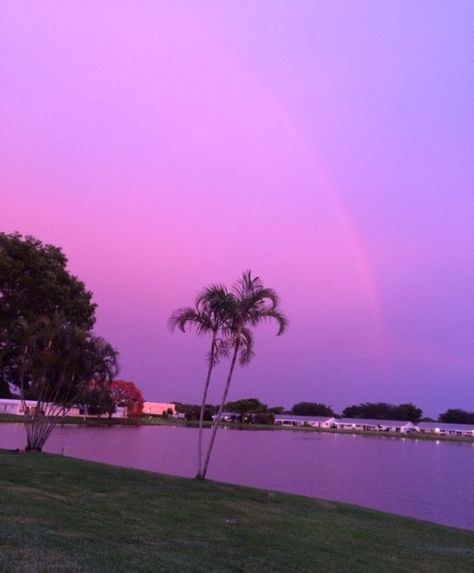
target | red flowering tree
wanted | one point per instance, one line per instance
(127, 394)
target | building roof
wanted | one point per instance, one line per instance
(303, 418)
(361, 421)
(443, 426)
(17, 401)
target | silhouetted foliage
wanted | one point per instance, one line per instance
(276, 409)
(261, 418)
(56, 361)
(246, 406)
(248, 305)
(384, 411)
(192, 411)
(312, 409)
(208, 316)
(457, 416)
(97, 399)
(34, 283)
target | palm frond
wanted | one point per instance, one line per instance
(246, 344)
(269, 315)
(182, 317)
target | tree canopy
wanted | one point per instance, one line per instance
(56, 361)
(127, 394)
(457, 416)
(246, 406)
(384, 411)
(35, 283)
(312, 409)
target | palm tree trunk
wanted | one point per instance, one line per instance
(221, 409)
(203, 404)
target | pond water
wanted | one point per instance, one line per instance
(423, 479)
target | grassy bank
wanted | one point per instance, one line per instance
(61, 514)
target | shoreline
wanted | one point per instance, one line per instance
(158, 421)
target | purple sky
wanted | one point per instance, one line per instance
(327, 146)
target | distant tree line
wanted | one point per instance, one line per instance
(456, 416)
(384, 411)
(252, 410)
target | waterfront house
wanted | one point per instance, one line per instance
(460, 430)
(397, 426)
(227, 417)
(289, 420)
(15, 406)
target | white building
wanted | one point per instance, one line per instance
(227, 417)
(312, 421)
(466, 430)
(359, 424)
(15, 407)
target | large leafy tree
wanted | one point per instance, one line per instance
(246, 406)
(312, 409)
(56, 362)
(97, 399)
(208, 317)
(384, 411)
(457, 416)
(35, 282)
(101, 397)
(127, 394)
(250, 304)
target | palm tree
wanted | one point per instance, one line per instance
(251, 304)
(57, 361)
(208, 316)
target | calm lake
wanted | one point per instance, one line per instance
(418, 478)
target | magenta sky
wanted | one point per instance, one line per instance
(327, 146)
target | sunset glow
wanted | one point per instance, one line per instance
(326, 146)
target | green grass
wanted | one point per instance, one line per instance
(61, 514)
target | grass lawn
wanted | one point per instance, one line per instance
(61, 514)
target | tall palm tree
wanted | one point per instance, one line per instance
(250, 305)
(208, 316)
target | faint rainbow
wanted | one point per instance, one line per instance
(352, 235)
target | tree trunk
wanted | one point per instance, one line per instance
(37, 433)
(221, 409)
(203, 405)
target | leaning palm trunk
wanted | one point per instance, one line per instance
(215, 427)
(203, 405)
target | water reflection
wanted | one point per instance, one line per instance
(409, 477)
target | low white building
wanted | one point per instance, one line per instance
(15, 407)
(460, 430)
(289, 420)
(397, 426)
